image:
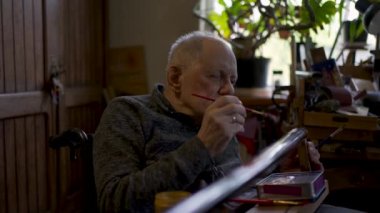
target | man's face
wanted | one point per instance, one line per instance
(213, 75)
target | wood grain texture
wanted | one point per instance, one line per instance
(26, 103)
(1, 53)
(19, 132)
(30, 69)
(38, 44)
(3, 183)
(19, 44)
(10, 164)
(41, 163)
(32, 33)
(31, 167)
(8, 42)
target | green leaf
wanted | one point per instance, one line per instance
(221, 23)
(222, 3)
(329, 8)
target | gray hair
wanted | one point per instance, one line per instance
(188, 47)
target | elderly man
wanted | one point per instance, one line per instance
(171, 139)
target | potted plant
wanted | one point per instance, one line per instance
(248, 24)
(353, 30)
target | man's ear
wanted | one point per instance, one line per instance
(174, 78)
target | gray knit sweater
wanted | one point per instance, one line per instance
(142, 147)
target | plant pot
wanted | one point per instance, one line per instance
(284, 34)
(351, 28)
(252, 73)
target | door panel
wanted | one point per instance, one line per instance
(3, 194)
(34, 36)
(81, 103)
(26, 164)
(24, 109)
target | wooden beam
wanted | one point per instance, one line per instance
(24, 103)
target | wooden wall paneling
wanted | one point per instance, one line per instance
(17, 155)
(50, 202)
(81, 27)
(77, 165)
(100, 39)
(38, 44)
(63, 175)
(42, 163)
(77, 43)
(3, 183)
(85, 109)
(1, 52)
(14, 104)
(93, 60)
(74, 39)
(68, 165)
(70, 43)
(10, 164)
(83, 39)
(53, 38)
(31, 84)
(46, 202)
(81, 59)
(53, 50)
(19, 44)
(94, 72)
(95, 119)
(21, 164)
(8, 42)
(29, 46)
(31, 166)
(86, 118)
(47, 34)
(81, 34)
(88, 53)
(9, 81)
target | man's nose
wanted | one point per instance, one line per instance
(228, 88)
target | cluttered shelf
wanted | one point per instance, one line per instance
(339, 106)
(328, 97)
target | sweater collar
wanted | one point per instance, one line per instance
(165, 106)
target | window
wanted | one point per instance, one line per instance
(278, 50)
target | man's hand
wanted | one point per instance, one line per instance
(314, 157)
(292, 162)
(222, 120)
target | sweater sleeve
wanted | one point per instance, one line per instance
(124, 182)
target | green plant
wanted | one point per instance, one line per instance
(355, 29)
(247, 24)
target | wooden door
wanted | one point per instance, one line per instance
(25, 112)
(38, 38)
(82, 77)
